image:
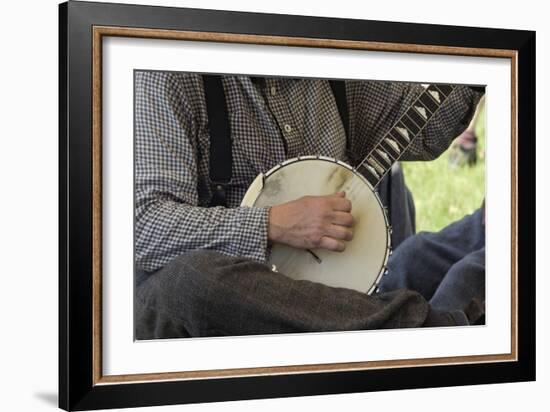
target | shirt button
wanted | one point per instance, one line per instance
(273, 90)
(288, 128)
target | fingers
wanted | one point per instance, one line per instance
(339, 233)
(323, 222)
(341, 204)
(343, 219)
(332, 244)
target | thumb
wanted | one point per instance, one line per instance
(340, 194)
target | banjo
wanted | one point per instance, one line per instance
(361, 265)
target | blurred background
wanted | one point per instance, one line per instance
(453, 185)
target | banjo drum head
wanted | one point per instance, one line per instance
(362, 263)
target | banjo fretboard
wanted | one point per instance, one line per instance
(380, 159)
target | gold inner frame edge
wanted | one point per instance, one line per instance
(98, 32)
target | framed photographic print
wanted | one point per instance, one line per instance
(256, 205)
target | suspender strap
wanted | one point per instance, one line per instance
(339, 90)
(220, 139)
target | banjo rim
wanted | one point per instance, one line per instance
(383, 209)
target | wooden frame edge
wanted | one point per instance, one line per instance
(296, 41)
(97, 232)
(98, 32)
(297, 369)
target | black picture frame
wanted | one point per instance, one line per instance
(78, 386)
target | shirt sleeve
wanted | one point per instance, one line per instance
(378, 105)
(168, 218)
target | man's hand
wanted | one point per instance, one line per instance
(313, 222)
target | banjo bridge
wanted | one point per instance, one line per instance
(317, 258)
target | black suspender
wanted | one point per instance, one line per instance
(220, 132)
(339, 90)
(220, 139)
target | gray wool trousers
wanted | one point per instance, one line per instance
(205, 293)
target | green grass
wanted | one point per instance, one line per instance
(443, 194)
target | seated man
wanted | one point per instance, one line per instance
(204, 270)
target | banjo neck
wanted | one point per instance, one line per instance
(400, 137)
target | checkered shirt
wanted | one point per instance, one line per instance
(271, 120)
